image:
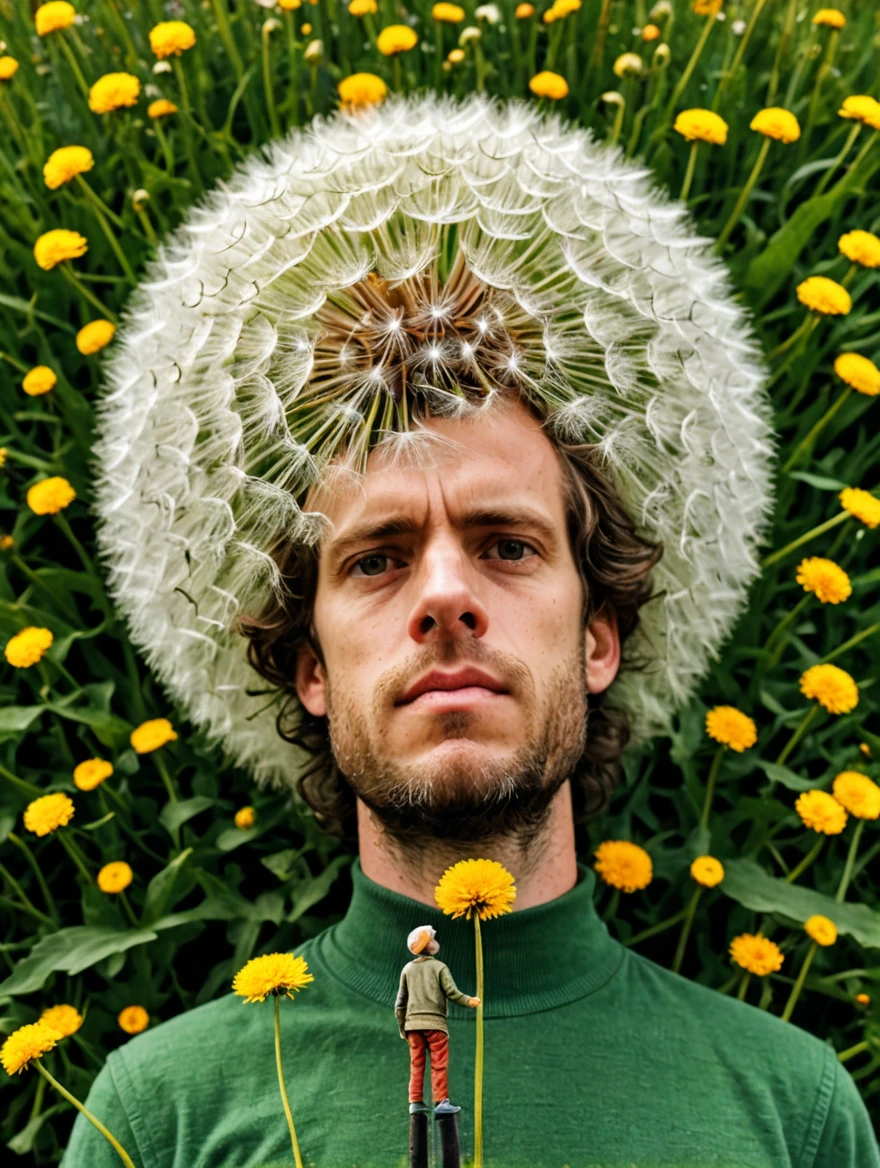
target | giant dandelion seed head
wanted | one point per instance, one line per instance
(423, 257)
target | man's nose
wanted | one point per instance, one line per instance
(448, 601)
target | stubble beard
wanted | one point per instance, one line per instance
(436, 808)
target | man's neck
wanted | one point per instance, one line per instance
(548, 870)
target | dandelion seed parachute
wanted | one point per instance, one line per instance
(577, 283)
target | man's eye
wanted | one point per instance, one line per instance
(508, 549)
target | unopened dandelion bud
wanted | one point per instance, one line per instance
(661, 56)
(139, 199)
(661, 11)
(270, 25)
(162, 67)
(471, 33)
(314, 52)
(612, 97)
(488, 12)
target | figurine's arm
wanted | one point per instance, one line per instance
(400, 1004)
(452, 991)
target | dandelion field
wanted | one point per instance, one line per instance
(742, 849)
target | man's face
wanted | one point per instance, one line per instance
(477, 574)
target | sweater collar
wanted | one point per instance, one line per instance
(534, 959)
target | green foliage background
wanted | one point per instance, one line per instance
(207, 896)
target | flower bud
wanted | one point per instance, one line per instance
(488, 12)
(471, 33)
(139, 199)
(314, 52)
(162, 67)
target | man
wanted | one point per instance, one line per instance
(446, 638)
(425, 986)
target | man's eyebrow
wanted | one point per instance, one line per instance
(476, 517)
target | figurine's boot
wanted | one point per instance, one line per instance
(419, 1108)
(444, 1107)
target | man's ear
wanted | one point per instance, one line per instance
(602, 649)
(311, 681)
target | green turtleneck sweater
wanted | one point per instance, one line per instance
(595, 1057)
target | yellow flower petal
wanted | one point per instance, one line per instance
(273, 973)
(729, 725)
(821, 812)
(824, 579)
(831, 687)
(756, 953)
(624, 865)
(48, 813)
(484, 887)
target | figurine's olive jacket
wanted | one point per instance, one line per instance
(425, 984)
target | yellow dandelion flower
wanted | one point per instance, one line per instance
(858, 794)
(55, 246)
(549, 84)
(448, 13)
(93, 336)
(776, 123)
(27, 1043)
(64, 1020)
(273, 973)
(161, 108)
(171, 38)
(363, 7)
(152, 734)
(823, 295)
(292, 5)
(27, 647)
(756, 953)
(861, 107)
(396, 38)
(54, 16)
(565, 8)
(361, 89)
(624, 865)
(707, 7)
(65, 163)
(822, 929)
(862, 247)
(115, 876)
(3, 453)
(821, 812)
(113, 91)
(863, 747)
(549, 16)
(729, 725)
(831, 687)
(859, 372)
(627, 65)
(48, 813)
(6, 542)
(524, 11)
(306, 29)
(824, 579)
(863, 999)
(831, 17)
(8, 68)
(650, 32)
(245, 817)
(708, 871)
(484, 887)
(701, 125)
(862, 504)
(133, 1019)
(91, 773)
(49, 496)
(39, 380)
(455, 56)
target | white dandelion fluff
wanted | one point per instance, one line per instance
(428, 250)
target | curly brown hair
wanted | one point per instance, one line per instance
(614, 564)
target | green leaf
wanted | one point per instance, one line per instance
(822, 482)
(109, 729)
(234, 837)
(15, 719)
(746, 882)
(173, 815)
(23, 1142)
(71, 950)
(783, 775)
(311, 891)
(162, 887)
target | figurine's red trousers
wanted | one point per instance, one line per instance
(420, 1041)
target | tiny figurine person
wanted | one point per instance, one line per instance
(425, 986)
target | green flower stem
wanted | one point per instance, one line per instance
(859, 158)
(24, 898)
(114, 244)
(611, 909)
(99, 202)
(291, 108)
(743, 196)
(438, 54)
(868, 632)
(730, 73)
(70, 275)
(781, 50)
(165, 146)
(478, 1056)
(708, 25)
(123, 27)
(69, 678)
(61, 520)
(806, 326)
(841, 517)
(296, 1153)
(658, 928)
(124, 1156)
(806, 861)
(37, 871)
(686, 928)
(776, 640)
(852, 1051)
(75, 855)
(850, 861)
(798, 734)
(807, 442)
(166, 778)
(618, 120)
(275, 125)
(370, 26)
(821, 73)
(601, 34)
(798, 985)
(187, 124)
(23, 786)
(38, 582)
(480, 64)
(710, 784)
(74, 64)
(689, 173)
(838, 161)
(744, 985)
(728, 985)
(226, 36)
(147, 225)
(129, 911)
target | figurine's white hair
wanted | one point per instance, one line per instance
(609, 313)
